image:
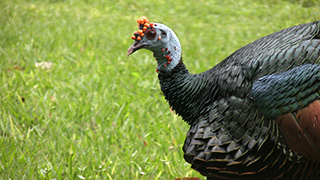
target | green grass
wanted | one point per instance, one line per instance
(97, 114)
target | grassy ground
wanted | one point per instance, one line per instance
(96, 114)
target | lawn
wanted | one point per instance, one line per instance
(93, 112)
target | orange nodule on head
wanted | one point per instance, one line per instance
(140, 32)
(143, 20)
(143, 26)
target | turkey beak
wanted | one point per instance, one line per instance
(135, 46)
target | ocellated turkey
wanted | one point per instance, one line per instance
(256, 114)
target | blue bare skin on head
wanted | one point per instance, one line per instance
(159, 39)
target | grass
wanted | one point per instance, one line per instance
(96, 114)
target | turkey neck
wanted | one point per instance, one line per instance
(169, 55)
(186, 93)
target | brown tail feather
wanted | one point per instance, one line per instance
(301, 130)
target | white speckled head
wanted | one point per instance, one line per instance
(159, 39)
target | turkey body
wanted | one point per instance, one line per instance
(256, 114)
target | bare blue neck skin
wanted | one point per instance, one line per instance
(169, 55)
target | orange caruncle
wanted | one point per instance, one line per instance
(143, 24)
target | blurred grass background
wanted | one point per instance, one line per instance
(96, 114)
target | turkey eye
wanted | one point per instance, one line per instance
(151, 33)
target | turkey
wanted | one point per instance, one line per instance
(254, 115)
